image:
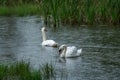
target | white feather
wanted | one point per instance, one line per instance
(50, 43)
(69, 51)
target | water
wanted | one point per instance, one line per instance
(20, 39)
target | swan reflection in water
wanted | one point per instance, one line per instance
(70, 63)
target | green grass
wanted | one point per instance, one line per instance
(20, 10)
(23, 71)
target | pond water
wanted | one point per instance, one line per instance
(20, 39)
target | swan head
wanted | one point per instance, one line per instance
(62, 48)
(43, 29)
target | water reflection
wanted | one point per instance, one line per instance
(20, 39)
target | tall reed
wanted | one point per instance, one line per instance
(67, 11)
(84, 11)
(23, 71)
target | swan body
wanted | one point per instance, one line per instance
(49, 43)
(72, 51)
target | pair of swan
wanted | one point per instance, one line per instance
(64, 51)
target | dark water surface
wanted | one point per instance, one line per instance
(20, 39)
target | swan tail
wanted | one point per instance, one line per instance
(55, 45)
(79, 51)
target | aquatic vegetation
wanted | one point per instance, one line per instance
(48, 71)
(83, 11)
(26, 9)
(66, 11)
(23, 71)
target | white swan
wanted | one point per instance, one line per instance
(72, 51)
(49, 43)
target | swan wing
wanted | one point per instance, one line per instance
(79, 51)
(71, 51)
(49, 43)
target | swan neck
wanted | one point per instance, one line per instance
(43, 35)
(64, 52)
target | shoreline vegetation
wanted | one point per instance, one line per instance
(23, 71)
(83, 12)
